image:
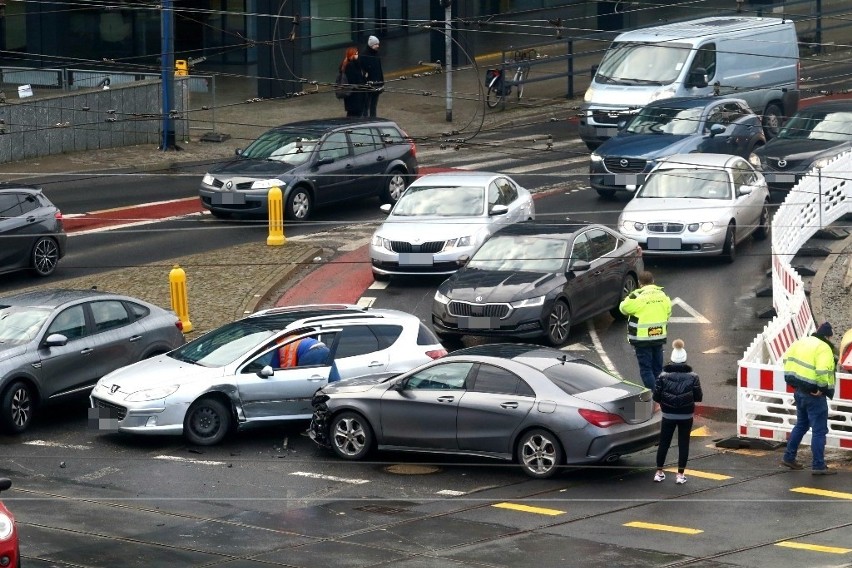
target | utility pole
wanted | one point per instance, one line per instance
(448, 54)
(167, 73)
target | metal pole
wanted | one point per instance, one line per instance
(818, 34)
(819, 200)
(167, 73)
(448, 55)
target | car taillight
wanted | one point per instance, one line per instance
(601, 419)
(436, 353)
(412, 145)
(58, 217)
(179, 325)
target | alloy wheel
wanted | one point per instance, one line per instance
(349, 436)
(45, 256)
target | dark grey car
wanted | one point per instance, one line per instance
(526, 403)
(31, 232)
(55, 343)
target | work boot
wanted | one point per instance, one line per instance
(792, 464)
(824, 471)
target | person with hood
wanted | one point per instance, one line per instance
(351, 68)
(809, 367)
(648, 309)
(372, 66)
(677, 389)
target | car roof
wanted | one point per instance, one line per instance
(698, 160)
(314, 314)
(5, 186)
(52, 298)
(458, 178)
(509, 350)
(532, 228)
(693, 31)
(825, 106)
(325, 124)
(693, 102)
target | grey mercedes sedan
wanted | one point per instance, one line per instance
(531, 404)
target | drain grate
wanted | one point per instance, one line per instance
(380, 509)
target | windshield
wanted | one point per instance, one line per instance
(292, 148)
(521, 254)
(688, 183)
(223, 346)
(661, 120)
(449, 201)
(815, 125)
(642, 63)
(21, 324)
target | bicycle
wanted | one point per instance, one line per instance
(499, 89)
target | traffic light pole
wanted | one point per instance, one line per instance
(167, 73)
(448, 55)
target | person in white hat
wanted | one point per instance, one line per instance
(371, 63)
(677, 389)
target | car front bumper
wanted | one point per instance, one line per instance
(389, 263)
(153, 418)
(254, 202)
(681, 244)
(485, 320)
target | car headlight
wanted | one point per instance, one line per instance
(6, 526)
(590, 93)
(152, 394)
(754, 160)
(595, 157)
(208, 179)
(822, 162)
(706, 227)
(268, 183)
(381, 242)
(465, 241)
(632, 226)
(528, 303)
(441, 299)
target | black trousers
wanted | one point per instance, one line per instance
(684, 428)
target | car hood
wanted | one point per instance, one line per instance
(428, 228)
(8, 352)
(798, 150)
(669, 207)
(647, 146)
(264, 169)
(471, 284)
(158, 371)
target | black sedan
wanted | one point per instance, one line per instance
(708, 125)
(810, 139)
(313, 163)
(536, 280)
(526, 403)
(31, 230)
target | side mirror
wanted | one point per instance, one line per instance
(55, 340)
(5, 484)
(386, 208)
(397, 385)
(745, 190)
(697, 78)
(621, 124)
(594, 70)
(238, 151)
(463, 260)
(579, 266)
(499, 210)
(324, 161)
(717, 129)
(266, 372)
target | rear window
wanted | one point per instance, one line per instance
(579, 376)
(139, 311)
(426, 337)
(386, 334)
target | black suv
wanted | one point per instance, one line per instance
(315, 162)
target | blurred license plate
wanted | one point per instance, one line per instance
(781, 178)
(103, 419)
(415, 258)
(475, 322)
(627, 179)
(608, 131)
(663, 243)
(229, 198)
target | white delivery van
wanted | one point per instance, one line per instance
(757, 59)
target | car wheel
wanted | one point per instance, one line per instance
(381, 277)
(606, 193)
(763, 225)
(351, 436)
(539, 454)
(394, 186)
(627, 286)
(771, 121)
(45, 256)
(207, 422)
(299, 204)
(558, 324)
(18, 407)
(729, 251)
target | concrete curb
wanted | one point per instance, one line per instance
(825, 267)
(267, 287)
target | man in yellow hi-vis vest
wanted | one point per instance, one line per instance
(648, 310)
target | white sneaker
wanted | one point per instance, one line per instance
(659, 476)
(681, 479)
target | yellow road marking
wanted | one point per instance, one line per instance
(667, 528)
(822, 492)
(814, 547)
(703, 431)
(528, 509)
(702, 474)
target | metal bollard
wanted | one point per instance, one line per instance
(275, 204)
(180, 300)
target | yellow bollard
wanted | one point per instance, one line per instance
(181, 68)
(275, 204)
(180, 301)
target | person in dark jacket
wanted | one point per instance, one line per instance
(677, 389)
(351, 67)
(372, 66)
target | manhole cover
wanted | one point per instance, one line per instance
(381, 509)
(409, 469)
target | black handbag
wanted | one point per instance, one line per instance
(342, 88)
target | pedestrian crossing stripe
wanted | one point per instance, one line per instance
(822, 492)
(814, 547)
(701, 474)
(666, 528)
(528, 509)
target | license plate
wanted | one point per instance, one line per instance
(475, 322)
(608, 131)
(663, 243)
(228, 198)
(627, 179)
(103, 420)
(781, 178)
(415, 259)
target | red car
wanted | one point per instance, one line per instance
(9, 552)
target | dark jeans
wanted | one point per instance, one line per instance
(684, 428)
(811, 412)
(650, 358)
(372, 100)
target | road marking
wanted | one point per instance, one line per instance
(574, 347)
(187, 460)
(545, 165)
(701, 432)
(696, 317)
(46, 444)
(814, 547)
(701, 474)
(330, 477)
(97, 474)
(379, 285)
(599, 349)
(134, 224)
(450, 492)
(667, 528)
(365, 302)
(822, 492)
(723, 349)
(128, 207)
(528, 509)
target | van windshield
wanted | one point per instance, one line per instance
(628, 63)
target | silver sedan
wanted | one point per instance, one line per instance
(526, 403)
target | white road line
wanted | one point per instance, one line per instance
(596, 341)
(544, 165)
(330, 477)
(46, 444)
(187, 460)
(128, 207)
(574, 347)
(365, 302)
(450, 492)
(134, 224)
(97, 474)
(379, 285)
